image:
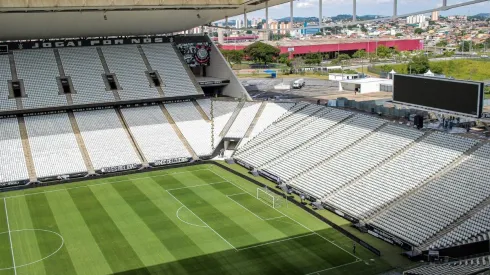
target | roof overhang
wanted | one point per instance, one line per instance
(90, 18)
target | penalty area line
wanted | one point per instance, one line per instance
(273, 242)
(334, 267)
(10, 236)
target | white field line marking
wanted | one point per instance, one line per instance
(20, 230)
(245, 208)
(275, 218)
(290, 218)
(237, 194)
(318, 272)
(10, 237)
(193, 186)
(202, 221)
(102, 183)
(178, 210)
(229, 196)
(278, 241)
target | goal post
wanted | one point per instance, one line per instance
(268, 197)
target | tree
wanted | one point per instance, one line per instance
(340, 58)
(284, 59)
(249, 31)
(261, 52)
(418, 31)
(313, 58)
(442, 43)
(398, 34)
(419, 64)
(384, 52)
(360, 54)
(464, 46)
(236, 56)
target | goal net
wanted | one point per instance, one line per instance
(269, 198)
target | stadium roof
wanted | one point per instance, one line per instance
(41, 19)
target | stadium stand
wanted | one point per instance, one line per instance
(446, 199)
(125, 61)
(6, 103)
(154, 134)
(190, 122)
(285, 143)
(38, 69)
(106, 140)
(402, 174)
(271, 113)
(318, 150)
(85, 69)
(12, 161)
(243, 120)
(53, 145)
(462, 267)
(164, 59)
(474, 229)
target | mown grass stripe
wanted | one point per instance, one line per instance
(132, 227)
(169, 234)
(5, 261)
(42, 218)
(117, 251)
(83, 250)
(26, 248)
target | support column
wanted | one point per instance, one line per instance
(245, 20)
(266, 21)
(395, 6)
(226, 22)
(354, 11)
(444, 3)
(320, 13)
(291, 7)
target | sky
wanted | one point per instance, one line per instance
(307, 8)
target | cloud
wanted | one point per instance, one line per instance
(307, 4)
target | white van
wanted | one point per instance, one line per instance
(299, 83)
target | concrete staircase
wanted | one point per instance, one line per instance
(232, 119)
(135, 145)
(13, 72)
(107, 71)
(436, 176)
(201, 111)
(61, 72)
(81, 143)
(256, 118)
(178, 132)
(31, 169)
(150, 69)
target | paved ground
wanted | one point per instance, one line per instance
(260, 88)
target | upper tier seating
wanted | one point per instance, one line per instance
(243, 120)
(5, 103)
(190, 122)
(271, 113)
(154, 134)
(321, 123)
(164, 59)
(126, 62)
(299, 115)
(476, 227)
(317, 177)
(323, 147)
(106, 140)
(462, 267)
(53, 144)
(39, 70)
(440, 202)
(12, 161)
(401, 174)
(84, 67)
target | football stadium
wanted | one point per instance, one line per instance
(126, 148)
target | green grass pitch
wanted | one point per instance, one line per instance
(193, 220)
